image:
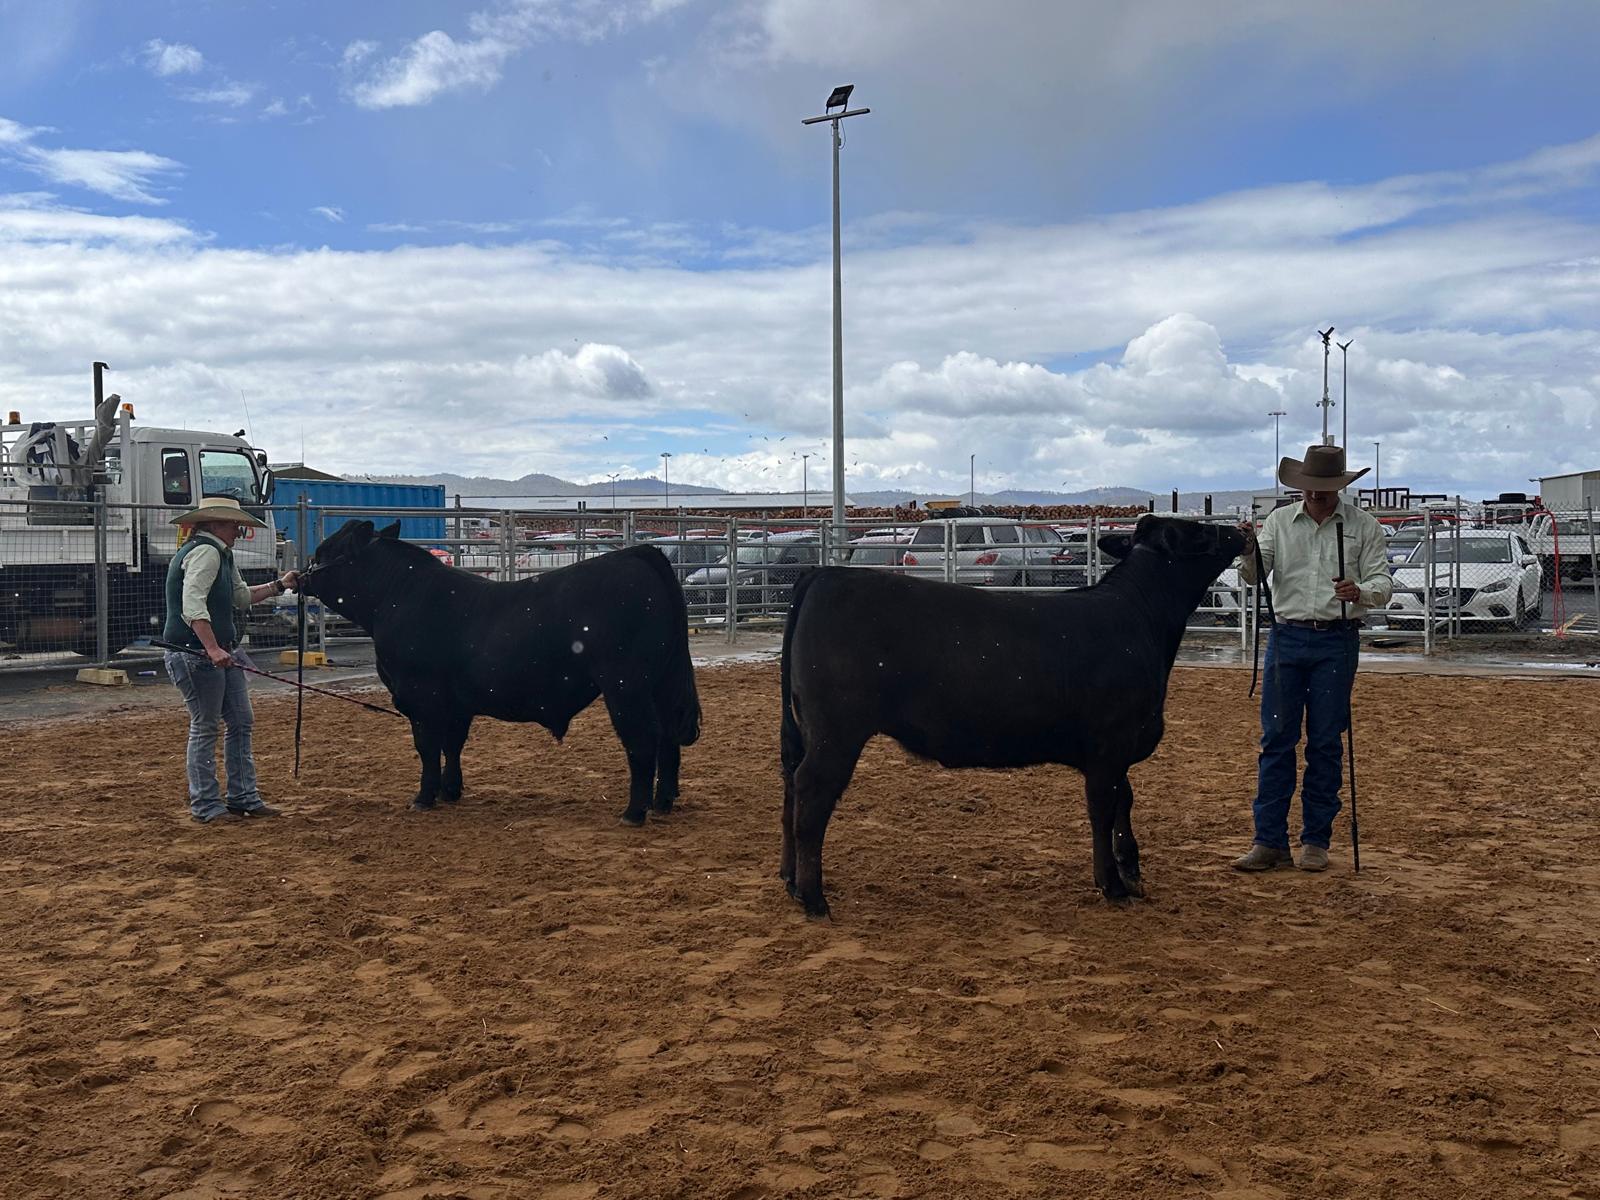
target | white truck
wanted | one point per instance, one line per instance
(53, 473)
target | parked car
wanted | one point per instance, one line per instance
(1500, 582)
(989, 552)
(765, 570)
(1548, 533)
(882, 552)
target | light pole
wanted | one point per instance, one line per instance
(1277, 488)
(805, 488)
(1325, 334)
(972, 484)
(1377, 469)
(839, 99)
(613, 478)
(1344, 374)
(666, 482)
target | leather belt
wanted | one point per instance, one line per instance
(1320, 626)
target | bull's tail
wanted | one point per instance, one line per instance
(679, 700)
(791, 743)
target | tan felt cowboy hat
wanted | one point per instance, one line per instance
(1322, 471)
(222, 508)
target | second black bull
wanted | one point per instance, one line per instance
(970, 678)
(452, 645)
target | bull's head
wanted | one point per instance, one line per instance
(1174, 537)
(336, 561)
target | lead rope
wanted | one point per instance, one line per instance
(1261, 590)
(299, 675)
(1349, 724)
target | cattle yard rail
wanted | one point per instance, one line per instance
(78, 587)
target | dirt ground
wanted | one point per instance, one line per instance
(522, 998)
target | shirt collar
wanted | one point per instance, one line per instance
(210, 539)
(1343, 509)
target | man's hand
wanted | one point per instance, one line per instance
(1249, 532)
(1346, 591)
(290, 580)
(219, 657)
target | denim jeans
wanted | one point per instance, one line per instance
(216, 696)
(1307, 678)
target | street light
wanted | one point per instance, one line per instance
(613, 478)
(1277, 488)
(666, 482)
(1377, 471)
(972, 486)
(838, 99)
(805, 488)
(1344, 417)
(1326, 404)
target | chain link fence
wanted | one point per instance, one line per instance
(82, 581)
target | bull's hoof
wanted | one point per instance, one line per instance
(421, 805)
(448, 798)
(1134, 885)
(1122, 901)
(663, 804)
(632, 818)
(816, 907)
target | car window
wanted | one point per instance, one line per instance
(928, 535)
(175, 487)
(873, 556)
(1468, 550)
(1003, 534)
(228, 473)
(969, 535)
(1522, 546)
(799, 556)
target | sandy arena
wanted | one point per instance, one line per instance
(522, 998)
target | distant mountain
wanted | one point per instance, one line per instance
(549, 485)
(537, 485)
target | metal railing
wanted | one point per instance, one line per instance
(83, 581)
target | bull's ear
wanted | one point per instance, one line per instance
(390, 531)
(360, 531)
(1149, 526)
(1117, 545)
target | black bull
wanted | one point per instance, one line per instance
(976, 679)
(452, 645)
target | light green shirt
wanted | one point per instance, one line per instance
(1302, 559)
(200, 569)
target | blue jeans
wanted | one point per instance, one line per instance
(216, 696)
(1307, 678)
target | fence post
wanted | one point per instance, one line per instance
(102, 603)
(1427, 581)
(949, 551)
(730, 603)
(1594, 566)
(508, 544)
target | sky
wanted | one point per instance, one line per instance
(1084, 244)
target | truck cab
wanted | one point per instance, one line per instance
(52, 477)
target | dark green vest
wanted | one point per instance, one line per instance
(219, 600)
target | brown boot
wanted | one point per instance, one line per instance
(1263, 858)
(1313, 858)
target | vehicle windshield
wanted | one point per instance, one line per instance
(873, 556)
(748, 556)
(1467, 550)
(228, 473)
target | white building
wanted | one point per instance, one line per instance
(1570, 493)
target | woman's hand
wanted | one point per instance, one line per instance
(219, 657)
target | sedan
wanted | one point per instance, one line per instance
(1499, 583)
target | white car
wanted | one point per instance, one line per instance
(1501, 583)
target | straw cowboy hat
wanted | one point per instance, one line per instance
(1321, 471)
(223, 508)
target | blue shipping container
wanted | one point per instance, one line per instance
(332, 497)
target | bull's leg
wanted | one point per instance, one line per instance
(455, 737)
(1101, 789)
(819, 781)
(633, 716)
(428, 743)
(1123, 844)
(668, 759)
(791, 749)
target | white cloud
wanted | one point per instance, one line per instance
(1136, 348)
(436, 62)
(36, 217)
(229, 93)
(171, 58)
(120, 174)
(330, 213)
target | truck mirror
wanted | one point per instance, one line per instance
(269, 483)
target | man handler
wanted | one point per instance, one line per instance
(1311, 657)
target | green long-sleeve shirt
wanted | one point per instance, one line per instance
(1302, 559)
